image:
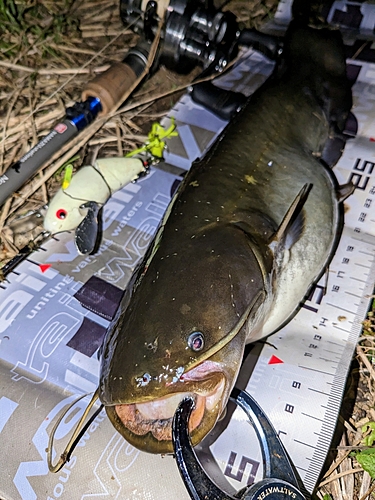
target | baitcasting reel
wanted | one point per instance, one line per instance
(195, 31)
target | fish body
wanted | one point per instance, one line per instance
(250, 231)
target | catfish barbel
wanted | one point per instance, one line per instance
(252, 228)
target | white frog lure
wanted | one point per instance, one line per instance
(76, 207)
(77, 204)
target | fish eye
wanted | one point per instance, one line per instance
(144, 380)
(196, 341)
(61, 214)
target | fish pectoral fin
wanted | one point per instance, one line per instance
(344, 191)
(293, 222)
(86, 234)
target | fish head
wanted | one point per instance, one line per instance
(180, 330)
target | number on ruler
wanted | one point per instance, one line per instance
(241, 469)
(367, 202)
(360, 181)
(323, 321)
(289, 408)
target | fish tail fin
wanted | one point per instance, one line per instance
(318, 57)
(305, 12)
(301, 11)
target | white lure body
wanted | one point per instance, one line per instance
(90, 184)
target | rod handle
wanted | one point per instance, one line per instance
(110, 86)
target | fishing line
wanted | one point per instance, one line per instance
(77, 434)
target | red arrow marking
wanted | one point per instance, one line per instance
(274, 360)
(44, 267)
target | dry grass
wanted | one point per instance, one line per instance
(49, 50)
(345, 478)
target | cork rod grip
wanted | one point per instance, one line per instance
(110, 86)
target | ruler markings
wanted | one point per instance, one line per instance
(327, 360)
(335, 389)
(326, 433)
(362, 240)
(32, 262)
(354, 295)
(300, 468)
(304, 444)
(320, 392)
(358, 279)
(366, 253)
(336, 343)
(332, 352)
(362, 265)
(316, 370)
(312, 416)
(341, 308)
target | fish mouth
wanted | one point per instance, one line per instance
(148, 425)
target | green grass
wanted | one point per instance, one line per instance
(26, 25)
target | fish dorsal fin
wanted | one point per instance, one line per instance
(292, 224)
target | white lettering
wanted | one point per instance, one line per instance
(34, 368)
(11, 307)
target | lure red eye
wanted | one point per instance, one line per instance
(61, 214)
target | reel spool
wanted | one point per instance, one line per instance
(195, 32)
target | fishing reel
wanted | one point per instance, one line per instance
(195, 32)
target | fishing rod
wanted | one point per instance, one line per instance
(194, 33)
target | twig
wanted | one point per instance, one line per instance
(368, 493)
(54, 71)
(340, 474)
(14, 100)
(365, 361)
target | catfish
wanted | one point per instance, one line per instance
(252, 228)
